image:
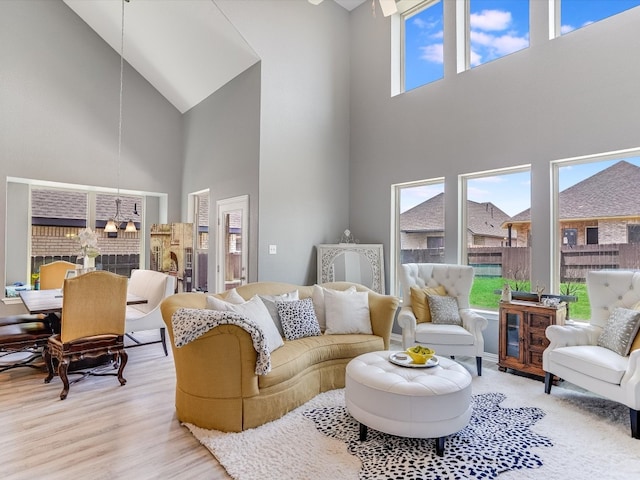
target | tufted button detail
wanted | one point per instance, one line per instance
(619, 297)
(606, 284)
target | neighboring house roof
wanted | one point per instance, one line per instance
(64, 204)
(483, 218)
(427, 216)
(486, 219)
(612, 192)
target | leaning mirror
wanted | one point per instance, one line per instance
(350, 262)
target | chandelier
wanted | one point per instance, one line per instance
(114, 222)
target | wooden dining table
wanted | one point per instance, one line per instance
(50, 301)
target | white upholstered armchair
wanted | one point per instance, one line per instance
(154, 287)
(575, 356)
(449, 340)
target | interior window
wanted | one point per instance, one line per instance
(496, 28)
(597, 217)
(422, 32)
(498, 229)
(58, 215)
(575, 14)
(419, 224)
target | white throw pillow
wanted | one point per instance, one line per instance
(347, 312)
(317, 297)
(233, 296)
(256, 311)
(270, 302)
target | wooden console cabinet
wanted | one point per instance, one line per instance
(521, 334)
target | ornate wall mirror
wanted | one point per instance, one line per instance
(352, 262)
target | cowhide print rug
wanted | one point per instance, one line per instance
(516, 432)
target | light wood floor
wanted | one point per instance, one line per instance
(102, 430)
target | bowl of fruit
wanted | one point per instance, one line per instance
(419, 354)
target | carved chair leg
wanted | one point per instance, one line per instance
(479, 365)
(548, 381)
(46, 354)
(635, 416)
(62, 373)
(123, 361)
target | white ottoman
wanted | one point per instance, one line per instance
(408, 402)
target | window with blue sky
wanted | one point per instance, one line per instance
(576, 14)
(497, 28)
(423, 46)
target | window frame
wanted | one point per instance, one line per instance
(556, 231)
(395, 241)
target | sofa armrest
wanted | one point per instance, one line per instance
(473, 322)
(219, 364)
(382, 312)
(571, 335)
(407, 322)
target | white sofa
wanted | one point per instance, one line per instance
(450, 340)
(155, 287)
(574, 355)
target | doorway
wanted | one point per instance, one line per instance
(232, 241)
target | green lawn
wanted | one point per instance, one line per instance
(483, 296)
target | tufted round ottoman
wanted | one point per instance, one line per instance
(408, 402)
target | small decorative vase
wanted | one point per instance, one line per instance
(89, 262)
(506, 293)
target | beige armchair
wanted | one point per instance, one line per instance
(450, 340)
(154, 287)
(574, 355)
(93, 309)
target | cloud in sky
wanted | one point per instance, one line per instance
(433, 53)
(486, 43)
(490, 20)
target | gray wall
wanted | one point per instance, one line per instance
(560, 98)
(304, 129)
(59, 110)
(221, 153)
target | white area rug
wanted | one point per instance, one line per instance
(590, 437)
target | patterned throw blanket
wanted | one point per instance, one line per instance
(191, 323)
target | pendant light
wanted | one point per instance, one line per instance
(114, 223)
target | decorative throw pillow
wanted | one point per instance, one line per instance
(298, 319)
(318, 303)
(232, 296)
(620, 330)
(255, 311)
(347, 312)
(636, 343)
(419, 303)
(444, 310)
(270, 302)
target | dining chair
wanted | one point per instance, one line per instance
(154, 287)
(93, 313)
(52, 274)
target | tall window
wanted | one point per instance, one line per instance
(57, 216)
(419, 224)
(498, 232)
(496, 28)
(423, 48)
(597, 217)
(575, 14)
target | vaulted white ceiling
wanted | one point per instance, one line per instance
(187, 49)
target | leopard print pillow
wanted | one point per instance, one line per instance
(298, 319)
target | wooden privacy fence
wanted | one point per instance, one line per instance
(575, 261)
